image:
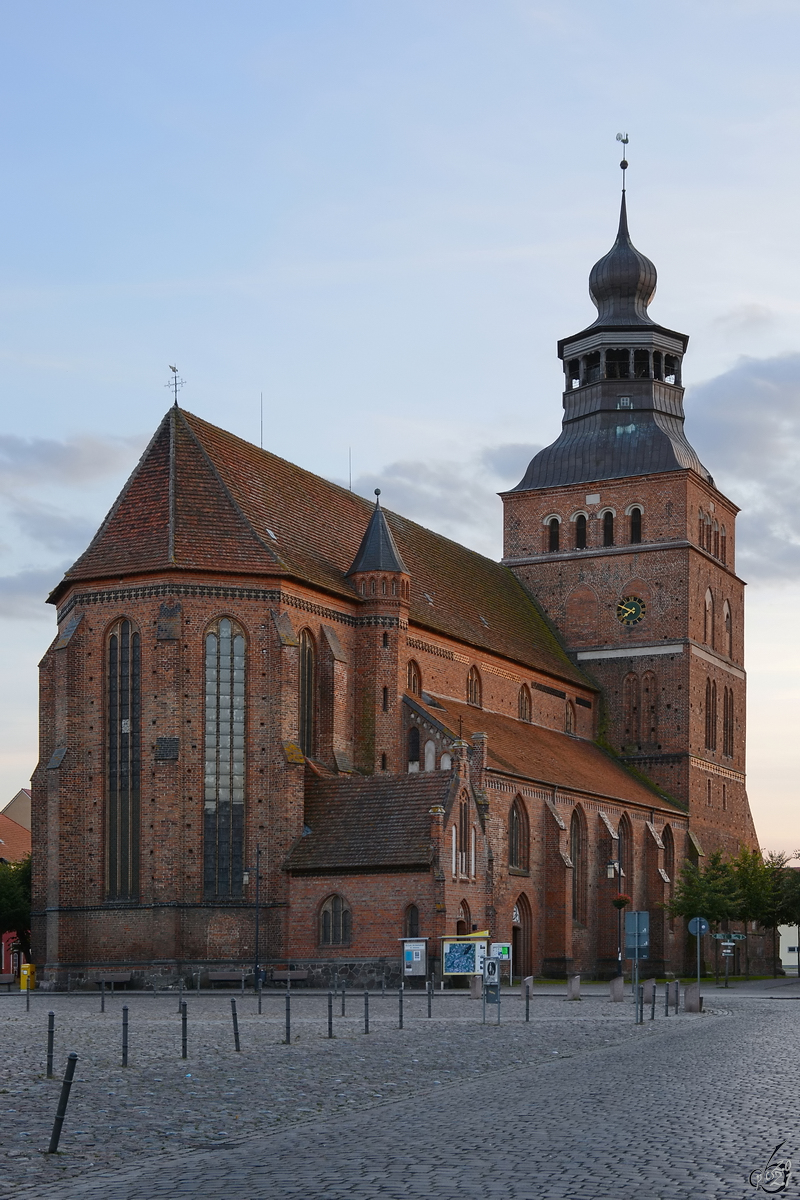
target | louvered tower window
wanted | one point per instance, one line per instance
(124, 763)
(223, 830)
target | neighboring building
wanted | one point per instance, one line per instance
(19, 808)
(421, 741)
(15, 845)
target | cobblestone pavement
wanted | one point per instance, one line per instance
(578, 1103)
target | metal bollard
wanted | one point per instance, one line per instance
(102, 995)
(342, 997)
(288, 1019)
(235, 1020)
(653, 1003)
(666, 1000)
(260, 990)
(677, 996)
(640, 1004)
(243, 985)
(383, 986)
(61, 1111)
(51, 1034)
(366, 1012)
(124, 1035)
(180, 993)
(330, 1014)
(429, 990)
(184, 1031)
(400, 996)
(27, 993)
(527, 1002)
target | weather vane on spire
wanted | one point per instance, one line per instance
(175, 383)
(623, 137)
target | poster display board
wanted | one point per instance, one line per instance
(502, 950)
(463, 956)
(415, 956)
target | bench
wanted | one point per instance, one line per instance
(290, 976)
(226, 977)
(8, 980)
(112, 977)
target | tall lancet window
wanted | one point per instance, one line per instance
(223, 826)
(123, 751)
(306, 693)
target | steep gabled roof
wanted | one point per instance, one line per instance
(202, 499)
(379, 822)
(542, 755)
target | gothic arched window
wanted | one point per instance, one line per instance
(636, 525)
(728, 625)
(414, 678)
(411, 922)
(711, 715)
(625, 852)
(413, 748)
(580, 532)
(524, 706)
(608, 528)
(518, 840)
(474, 687)
(123, 762)
(553, 531)
(577, 853)
(335, 922)
(708, 619)
(727, 722)
(306, 690)
(569, 717)
(223, 828)
(723, 545)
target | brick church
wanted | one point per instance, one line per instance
(253, 664)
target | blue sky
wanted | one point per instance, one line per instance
(382, 216)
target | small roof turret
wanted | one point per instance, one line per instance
(378, 550)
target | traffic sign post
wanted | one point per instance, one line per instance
(637, 941)
(698, 926)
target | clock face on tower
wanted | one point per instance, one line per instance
(631, 610)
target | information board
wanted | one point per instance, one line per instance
(462, 957)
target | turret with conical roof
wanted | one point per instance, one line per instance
(382, 580)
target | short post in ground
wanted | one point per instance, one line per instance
(51, 1034)
(288, 1019)
(235, 1020)
(184, 1031)
(124, 1035)
(61, 1111)
(330, 1014)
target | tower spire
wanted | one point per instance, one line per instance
(623, 137)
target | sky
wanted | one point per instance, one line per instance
(380, 217)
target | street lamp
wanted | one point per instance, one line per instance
(614, 867)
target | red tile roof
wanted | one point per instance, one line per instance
(378, 822)
(15, 840)
(544, 755)
(203, 499)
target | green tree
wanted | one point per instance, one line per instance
(708, 891)
(775, 872)
(753, 888)
(15, 902)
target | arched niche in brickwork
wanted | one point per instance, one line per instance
(463, 919)
(581, 615)
(522, 937)
(578, 848)
(640, 588)
(627, 854)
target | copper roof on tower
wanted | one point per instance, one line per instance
(623, 282)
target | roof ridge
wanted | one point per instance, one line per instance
(226, 490)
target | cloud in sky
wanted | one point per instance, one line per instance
(74, 462)
(745, 424)
(23, 595)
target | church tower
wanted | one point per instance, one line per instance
(621, 533)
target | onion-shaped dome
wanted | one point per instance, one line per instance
(623, 282)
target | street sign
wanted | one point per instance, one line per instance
(637, 935)
(698, 925)
(738, 937)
